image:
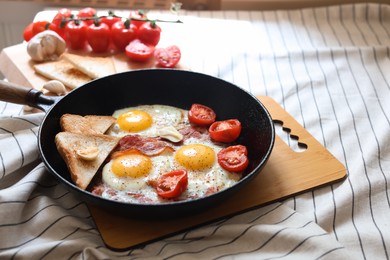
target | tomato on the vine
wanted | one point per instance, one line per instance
(110, 19)
(167, 57)
(201, 115)
(225, 131)
(87, 15)
(233, 158)
(76, 34)
(40, 26)
(61, 16)
(98, 36)
(172, 184)
(122, 33)
(139, 51)
(28, 33)
(149, 33)
(138, 18)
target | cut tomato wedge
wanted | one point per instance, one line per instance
(201, 115)
(167, 57)
(226, 131)
(139, 51)
(233, 158)
(172, 184)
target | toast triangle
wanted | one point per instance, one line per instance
(94, 67)
(90, 124)
(82, 170)
(62, 71)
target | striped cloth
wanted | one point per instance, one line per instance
(329, 67)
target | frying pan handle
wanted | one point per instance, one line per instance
(10, 92)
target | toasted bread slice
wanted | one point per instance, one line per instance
(90, 124)
(84, 154)
(63, 71)
(95, 67)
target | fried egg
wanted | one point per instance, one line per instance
(147, 120)
(132, 174)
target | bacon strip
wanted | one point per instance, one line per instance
(147, 145)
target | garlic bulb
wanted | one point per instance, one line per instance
(55, 87)
(46, 46)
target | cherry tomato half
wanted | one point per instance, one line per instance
(233, 158)
(98, 36)
(122, 33)
(139, 51)
(76, 34)
(149, 33)
(167, 57)
(172, 184)
(225, 131)
(201, 115)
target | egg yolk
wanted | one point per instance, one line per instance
(131, 165)
(134, 121)
(195, 156)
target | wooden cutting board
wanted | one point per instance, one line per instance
(287, 173)
(17, 66)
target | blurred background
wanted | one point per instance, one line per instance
(15, 15)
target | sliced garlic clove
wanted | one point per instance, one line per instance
(170, 133)
(89, 153)
(56, 87)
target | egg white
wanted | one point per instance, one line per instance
(162, 115)
(200, 182)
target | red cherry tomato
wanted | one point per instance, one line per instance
(139, 51)
(98, 36)
(172, 184)
(61, 16)
(40, 26)
(149, 33)
(233, 158)
(225, 131)
(138, 18)
(122, 33)
(87, 15)
(28, 33)
(110, 19)
(167, 57)
(60, 20)
(58, 30)
(201, 115)
(76, 34)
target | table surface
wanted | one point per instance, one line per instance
(328, 67)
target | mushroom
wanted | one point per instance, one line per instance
(46, 46)
(55, 86)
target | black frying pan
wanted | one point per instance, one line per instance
(155, 86)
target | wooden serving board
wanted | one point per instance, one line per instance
(17, 66)
(287, 173)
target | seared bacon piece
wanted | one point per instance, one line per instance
(147, 145)
(195, 132)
